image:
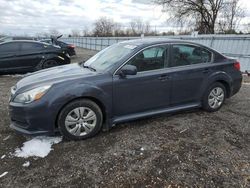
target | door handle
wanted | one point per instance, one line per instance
(163, 77)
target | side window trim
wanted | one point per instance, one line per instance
(193, 45)
(166, 61)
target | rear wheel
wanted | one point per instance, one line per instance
(80, 119)
(214, 97)
(49, 64)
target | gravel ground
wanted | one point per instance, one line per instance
(187, 149)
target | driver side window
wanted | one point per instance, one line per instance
(150, 59)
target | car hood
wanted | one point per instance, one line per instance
(54, 75)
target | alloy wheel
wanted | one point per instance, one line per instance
(216, 97)
(80, 121)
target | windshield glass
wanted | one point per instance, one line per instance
(109, 56)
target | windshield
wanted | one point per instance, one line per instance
(109, 56)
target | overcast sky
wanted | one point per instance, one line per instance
(37, 16)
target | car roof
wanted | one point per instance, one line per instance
(22, 41)
(155, 41)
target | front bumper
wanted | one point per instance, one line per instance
(32, 119)
(15, 126)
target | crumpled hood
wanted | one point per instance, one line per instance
(54, 75)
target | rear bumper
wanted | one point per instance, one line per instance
(236, 86)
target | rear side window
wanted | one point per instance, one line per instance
(32, 46)
(187, 55)
(9, 47)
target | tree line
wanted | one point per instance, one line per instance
(106, 27)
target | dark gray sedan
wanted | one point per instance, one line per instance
(126, 81)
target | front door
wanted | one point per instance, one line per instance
(149, 89)
(31, 54)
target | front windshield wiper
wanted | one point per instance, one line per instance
(88, 67)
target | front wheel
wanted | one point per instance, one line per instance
(214, 97)
(80, 119)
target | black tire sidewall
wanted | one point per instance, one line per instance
(72, 105)
(205, 104)
(44, 63)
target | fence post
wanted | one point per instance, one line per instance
(101, 44)
(95, 44)
(211, 42)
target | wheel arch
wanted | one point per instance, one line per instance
(222, 78)
(94, 99)
(227, 87)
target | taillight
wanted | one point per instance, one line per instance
(237, 65)
(71, 46)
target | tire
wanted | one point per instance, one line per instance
(214, 97)
(74, 123)
(49, 64)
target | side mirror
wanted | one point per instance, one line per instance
(128, 70)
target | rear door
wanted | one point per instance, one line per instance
(8, 56)
(190, 65)
(31, 54)
(149, 89)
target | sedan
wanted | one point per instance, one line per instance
(22, 56)
(124, 82)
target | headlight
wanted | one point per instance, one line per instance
(31, 95)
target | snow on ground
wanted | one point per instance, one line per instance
(17, 75)
(6, 138)
(3, 174)
(26, 164)
(37, 147)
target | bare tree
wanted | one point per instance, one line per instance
(104, 27)
(138, 27)
(75, 33)
(86, 31)
(247, 26)
(202, 13)
(117, 29)
(230, 17)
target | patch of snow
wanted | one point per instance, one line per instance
(183, 131)
(18, 75)
(26, 164)
(3, 174)
(14, 75)
(37, 147)
(246, 83)
(3, 156)
(142, 149)
(6, 138)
